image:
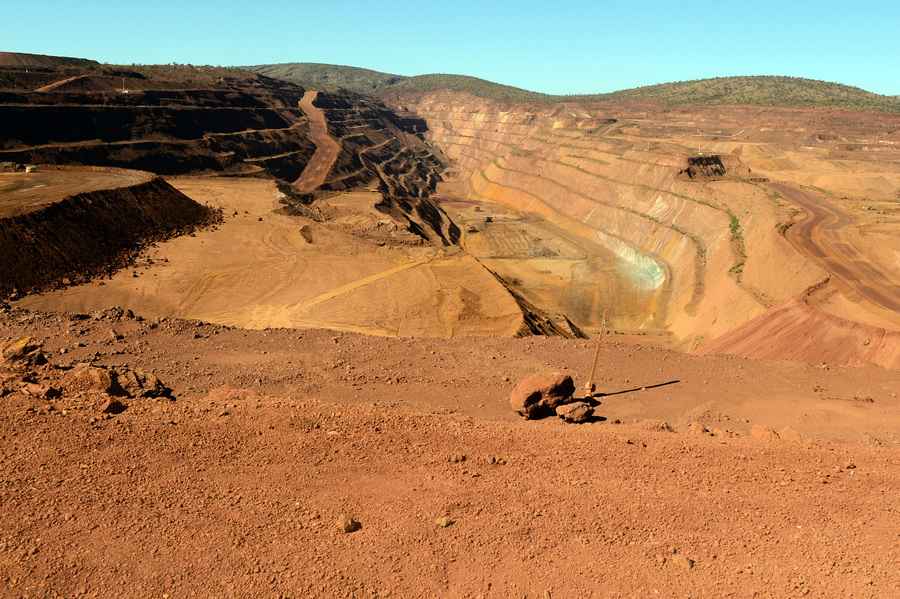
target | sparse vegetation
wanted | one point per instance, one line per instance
(761, 91)
(328, 77)
(756, 90)
(462, 83)
(735, 227)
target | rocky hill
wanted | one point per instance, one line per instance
(761, 91)
(329, 77)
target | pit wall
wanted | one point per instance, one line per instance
(92, 233)
(38, 125)
(574, 168)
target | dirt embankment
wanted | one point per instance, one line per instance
(92, 233)
(798, 331)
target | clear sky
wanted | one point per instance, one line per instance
(575, 46)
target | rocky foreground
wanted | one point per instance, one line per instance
(304, 463)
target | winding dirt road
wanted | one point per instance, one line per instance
(818, 235)
(327, 149)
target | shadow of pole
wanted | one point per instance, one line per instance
(641, 388)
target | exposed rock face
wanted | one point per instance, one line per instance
(705, 166)
(137, 383)
(714, 167)
(123, 382)
(539, 395)
(22, 352)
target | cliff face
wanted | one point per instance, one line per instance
(613, 180)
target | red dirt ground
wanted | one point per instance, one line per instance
(234, 489)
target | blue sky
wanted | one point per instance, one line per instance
(571, 47)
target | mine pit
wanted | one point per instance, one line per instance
(413, 342)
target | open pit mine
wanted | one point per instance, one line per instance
(261, 337)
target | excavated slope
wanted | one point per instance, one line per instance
(249, 126)
(91, 233)
(682, 240)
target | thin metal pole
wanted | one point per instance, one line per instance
(590, 387)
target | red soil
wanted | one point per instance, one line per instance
(235, 488)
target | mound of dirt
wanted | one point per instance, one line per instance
(92, 233)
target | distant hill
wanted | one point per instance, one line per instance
(328, 77)
(18, 59)
(365, 81)
(757, 90)
(463, 83)
(761, 91)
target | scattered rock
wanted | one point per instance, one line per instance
(116, 335)
(724, 432)
(657, 426)
(138, 383)
(24, 351)
(41, 391)
(114, 313)
(444, 522)
(763, 433)
(697, 428)
(457, 458)
(539, 395)
(683, 562)
(112, 406)
(85, 377)
(575, 413)
(347, 524)
(789, 434)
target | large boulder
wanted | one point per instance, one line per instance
(122, 381)
(539, 395)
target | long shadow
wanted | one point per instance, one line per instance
(641, 388)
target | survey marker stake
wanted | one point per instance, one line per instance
(590, 387)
